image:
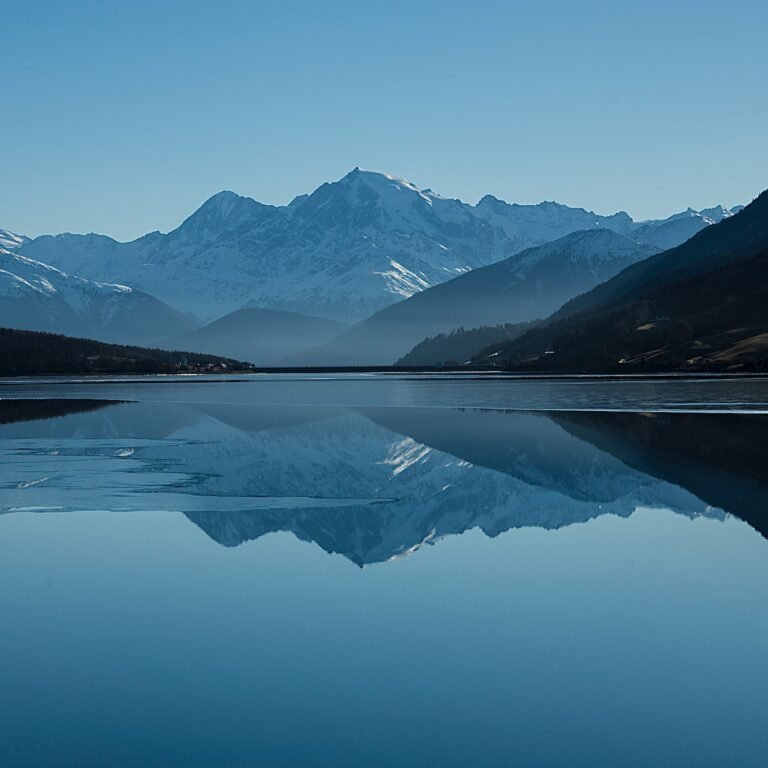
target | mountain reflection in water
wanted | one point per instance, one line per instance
(375, 483)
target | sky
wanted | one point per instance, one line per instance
(122, 118)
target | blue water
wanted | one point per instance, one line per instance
(369, 571)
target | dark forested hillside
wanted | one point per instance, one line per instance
(461, 345)
(717, 322)
(701, 306)
(32, 352)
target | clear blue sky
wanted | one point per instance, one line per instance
(122, 117)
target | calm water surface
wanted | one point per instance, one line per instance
(379, 570)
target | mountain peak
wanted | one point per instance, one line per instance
(377, 179)
(224, 210)
(367, 194)
(224, 201)
(718, 212)
(491, 201)
(711, 215)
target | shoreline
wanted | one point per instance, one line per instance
(348, 371)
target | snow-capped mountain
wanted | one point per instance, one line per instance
(350, 248)
(344, 251)
(36, 296)
(529, 225)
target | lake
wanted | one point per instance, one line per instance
(370, 570)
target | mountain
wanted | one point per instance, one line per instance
(735, 237)
(343, 252)
(36, 296)
(697, 306)
(530, 225)
(25, 353)
(711, 322)
(261, 336)
(347, 250)
(519, 289)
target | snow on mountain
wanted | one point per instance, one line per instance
(676, 229)
(20, 275)
(350, 248)
(718, 213)
(10, 240)
(37, 296)
(530, 225)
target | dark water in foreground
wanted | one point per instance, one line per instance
(370, 571)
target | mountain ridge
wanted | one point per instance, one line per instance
(343, 252)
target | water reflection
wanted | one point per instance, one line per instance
(22, 409)
(135, 640)
(376, 483)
